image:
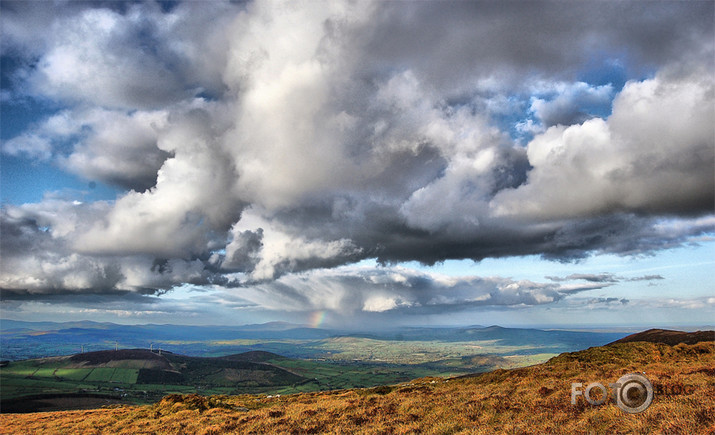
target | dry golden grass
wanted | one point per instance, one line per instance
(530, 400)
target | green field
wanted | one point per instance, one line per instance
(73, 374)
(115, 375)
(51, 375)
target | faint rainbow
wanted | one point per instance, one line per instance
(317, 318)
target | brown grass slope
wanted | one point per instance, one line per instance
(670, 337)
(529, 400)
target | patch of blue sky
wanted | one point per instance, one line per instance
(603, 69)
(25, 181)
(18, 115)
(522, 123)
(510, 120)
(18, 110)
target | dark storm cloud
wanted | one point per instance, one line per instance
(392, 240)
(551, 37)
(262, 140)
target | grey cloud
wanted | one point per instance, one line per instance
(562, 241)
(353, 290)
(607, 301)
(120, 150)
(632, 158)
(646, 278)
(656, 306)
(623, 234)
(124, 297)
(571, 104)
(133, 56)
(602, 278)
(31, 145)
(192, 206)
(37, 261)
(104, 306)
(109, 146)
(485, 38)
(244, 252)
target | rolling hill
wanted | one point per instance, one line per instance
(668, 336)
(125, 358)
(138, 374)
(535, 399)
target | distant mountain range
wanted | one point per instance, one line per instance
(169, 331)
(23, 340)
(7, 324)
(285, 330)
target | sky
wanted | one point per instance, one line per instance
(358, 164)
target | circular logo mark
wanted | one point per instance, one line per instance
(635, 393)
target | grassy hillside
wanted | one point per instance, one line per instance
(534, 399)
(669, 336)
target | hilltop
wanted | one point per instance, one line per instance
(533, 399)
(125, 358)
(668, 336)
